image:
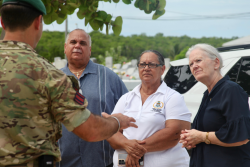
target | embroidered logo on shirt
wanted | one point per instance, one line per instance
(79, 98)
(157, 106)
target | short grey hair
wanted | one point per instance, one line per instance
(158, 54)
(210, 51)
(89, 37)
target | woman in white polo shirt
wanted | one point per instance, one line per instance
(160, 113)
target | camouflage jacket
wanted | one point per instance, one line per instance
(35, 98)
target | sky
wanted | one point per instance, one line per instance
(194, 18)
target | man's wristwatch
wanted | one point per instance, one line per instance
(207, 141)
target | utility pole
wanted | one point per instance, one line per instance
(66, 33)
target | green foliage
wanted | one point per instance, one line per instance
(117, 25)
(51, 45)
(57, 10)
(174, 50)
(126, 1)
(115, 53)
(133, 45)
(130, 47)
(182, 54)
(151, 5)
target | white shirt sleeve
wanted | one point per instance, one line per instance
(175, 108)
(120, 105)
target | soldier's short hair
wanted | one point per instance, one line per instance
(16, 17)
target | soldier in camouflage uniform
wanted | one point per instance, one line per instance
(35, 97)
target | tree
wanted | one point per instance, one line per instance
(182, 54)
(113, 52)
(51, 44)
(58, 10)
(174, 50)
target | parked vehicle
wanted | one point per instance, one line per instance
(236, 64)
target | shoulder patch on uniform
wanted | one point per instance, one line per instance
(79, 98)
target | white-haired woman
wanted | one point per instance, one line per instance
(221, 128)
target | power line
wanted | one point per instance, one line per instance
(188, 16)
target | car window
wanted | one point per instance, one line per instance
(244, 75)
(180, 78)
(233, 72)
(240, 73)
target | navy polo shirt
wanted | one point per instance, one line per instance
(225, 111)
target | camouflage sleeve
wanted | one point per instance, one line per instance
(63, 98)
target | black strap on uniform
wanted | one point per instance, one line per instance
(46, 161)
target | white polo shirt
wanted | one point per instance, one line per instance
(150, 117)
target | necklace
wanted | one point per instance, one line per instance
(77, 73)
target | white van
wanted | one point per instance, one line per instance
(236, 64)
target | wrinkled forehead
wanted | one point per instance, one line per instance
(78, 36)
(149, 57)
(197, 54)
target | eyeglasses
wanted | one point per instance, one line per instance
(150, 65)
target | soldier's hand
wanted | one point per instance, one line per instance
(125, 121)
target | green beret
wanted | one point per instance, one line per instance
(36, 4)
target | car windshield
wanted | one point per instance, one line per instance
(180, 78)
